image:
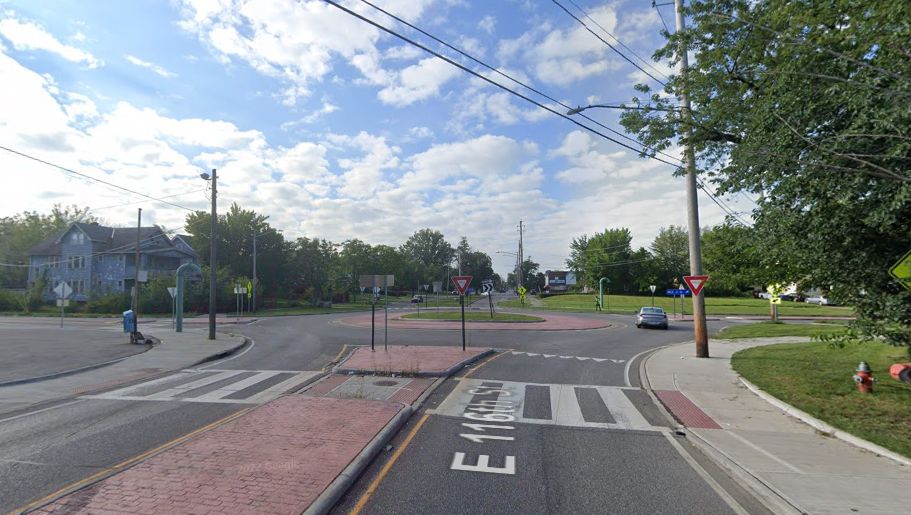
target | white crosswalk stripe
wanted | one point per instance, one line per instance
(561, 356)
(214, 386)
(548, 404)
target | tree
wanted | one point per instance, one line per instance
(731, 256)
(804, 105)
(576, 261)
(430, 248)
(606, 254)
(21, 232)
(670, 251)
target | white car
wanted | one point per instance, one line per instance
(822, 301)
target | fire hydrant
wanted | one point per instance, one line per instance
(863, 376)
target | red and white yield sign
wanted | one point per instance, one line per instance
(461, 283)
(695, 282)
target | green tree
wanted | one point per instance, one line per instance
(430, 248)
(733, 260)
(804, 104)
(608, 254)
(670, 252)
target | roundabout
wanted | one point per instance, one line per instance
(475, 320)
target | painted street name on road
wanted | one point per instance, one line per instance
(486, 407)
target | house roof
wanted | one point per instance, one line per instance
(114, 240)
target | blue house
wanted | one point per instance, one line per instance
(97, 260)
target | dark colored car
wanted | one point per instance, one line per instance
(651, 317)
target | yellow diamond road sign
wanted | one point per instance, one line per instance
(902, 270)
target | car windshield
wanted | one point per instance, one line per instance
(651, 311)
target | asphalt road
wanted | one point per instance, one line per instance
(44, 450)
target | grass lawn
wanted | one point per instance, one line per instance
(473, 315)
(713, 305)
(817, 379)
(769, 329)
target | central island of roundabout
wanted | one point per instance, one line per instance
(450, 320)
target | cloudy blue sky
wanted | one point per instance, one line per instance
(329, 126)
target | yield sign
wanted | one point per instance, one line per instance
(461, 283)
(695, 282)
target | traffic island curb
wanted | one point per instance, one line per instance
(340, 369)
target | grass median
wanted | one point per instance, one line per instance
(772, 329)
(473, 316)
(816, 378)
(627, 304)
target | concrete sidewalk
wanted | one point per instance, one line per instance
(787, 463)
(176, 351)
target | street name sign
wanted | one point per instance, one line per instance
(901, 270)
(675, 292)
(461, 283)
(695, 282)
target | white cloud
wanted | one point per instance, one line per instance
(157, 69)
(26, 35)
(487, 24)
(421, 132)
(418, 82)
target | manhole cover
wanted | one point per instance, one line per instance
(385, 383)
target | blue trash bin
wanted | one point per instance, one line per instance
(129, 321)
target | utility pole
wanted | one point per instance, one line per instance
(136, 274)
(519, 279)
(213, 278)
(253, 308)
(692, 202)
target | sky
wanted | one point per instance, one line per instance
(333, 128)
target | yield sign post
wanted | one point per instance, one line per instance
(461, 283)
(695, 282)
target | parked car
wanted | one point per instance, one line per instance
(819, 299)
(651, 317)
(417, 299)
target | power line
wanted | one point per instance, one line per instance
(89, 177)
(612, 47)
(503, 74)
(488, 80)
(142, 201)
(630, 50)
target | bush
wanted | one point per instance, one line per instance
(10, 301)
(114, 303)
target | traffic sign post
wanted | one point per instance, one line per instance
(461, 283)
(63, 290)
(172, 291)
(522, 291)
(652, 287)
(487, 287)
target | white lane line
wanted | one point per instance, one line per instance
(565, 406)
(623, 411)
(236, 386)
(170, 393)
(23, 415)
(731, 502)
(229, 358)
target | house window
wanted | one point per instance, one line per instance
(76, 262)
(120, 285)
(99, 258)
(78, 238)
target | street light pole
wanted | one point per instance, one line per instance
(253, 308)
(692, 202)
(213, 278)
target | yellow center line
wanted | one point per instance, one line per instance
(375, 484)
(475, 369)
(337, 357)
(126, 463)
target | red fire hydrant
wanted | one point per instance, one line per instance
(863, 376)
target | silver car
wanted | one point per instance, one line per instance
(651, 317)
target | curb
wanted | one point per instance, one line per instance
(445, 373)
(69, 372)
(766, 494)
(340, 485)
(343, 482)
(222, 354)
(824, 427)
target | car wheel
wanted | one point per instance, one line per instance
(638, 326)
(664, 327)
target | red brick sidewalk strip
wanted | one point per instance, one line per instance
(552, 322)
(416, 360)
(685, 411)
(277, 459)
